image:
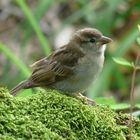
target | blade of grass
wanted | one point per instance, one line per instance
(121, 80)
(12, 57)
(41, 8)
(35, 26)
(105, 100)
(105, 19)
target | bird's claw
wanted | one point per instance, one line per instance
(85, 99)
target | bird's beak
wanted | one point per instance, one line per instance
(105, 40)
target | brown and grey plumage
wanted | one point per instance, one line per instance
(71, 68)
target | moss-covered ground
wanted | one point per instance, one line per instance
(50, 115)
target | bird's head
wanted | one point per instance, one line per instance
(90, 39)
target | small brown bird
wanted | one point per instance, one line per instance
(73, 67)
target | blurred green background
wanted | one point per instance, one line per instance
(31, 30)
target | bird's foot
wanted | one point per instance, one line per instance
(85, 99)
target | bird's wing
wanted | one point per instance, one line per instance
(38, 63)
(57, 66)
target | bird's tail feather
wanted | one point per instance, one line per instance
(23, 85)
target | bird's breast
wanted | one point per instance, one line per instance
(85, 73)
(88, 68)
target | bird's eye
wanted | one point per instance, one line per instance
(92, 40)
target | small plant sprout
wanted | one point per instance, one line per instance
(135, 67)
(124, 62)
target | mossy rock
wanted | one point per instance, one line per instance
(51, 115)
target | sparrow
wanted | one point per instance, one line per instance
(73, 67)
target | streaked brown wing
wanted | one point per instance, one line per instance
(57, 66)
(38, 63)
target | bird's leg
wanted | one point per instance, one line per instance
(85, 99)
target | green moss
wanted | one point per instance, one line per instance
(53, 116)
